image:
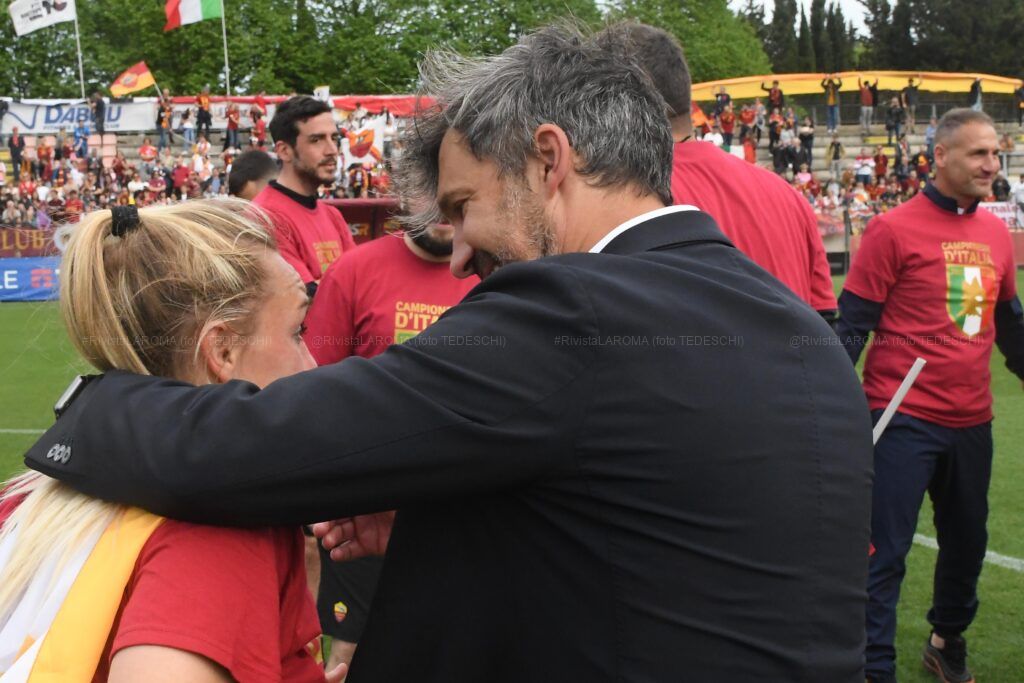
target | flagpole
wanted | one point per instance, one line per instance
(78, 43)
(224, 33)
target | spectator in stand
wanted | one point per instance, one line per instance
(258, 136)
(250, 173)
(16, 146)
(834, 156)
(806, 135)
(310, 234)
(359, 115)
(722, 100)
(831, 85)
(760, 119)
(164, 120)
(881, 163)
(922, 162)
(776, 98)
(193, 189)
(204, 119)
(867, 105)
(749, 148)
(188, 130)
(1017, 197)
(1001, 188)
(864, 166)
(1018, 96)
(775, 126)
(11, 215)
(974, 96)
(147, 155)
(390, 133)
(929, 136)
(1007, 146)
(43, 166)
(902, 165)
(99, 112)
(202, 146)
(908, 97)
(714, 136)
(358, 182)
(756, 209)
(180, 176)
(259, 104)
(727, 122)
(894, 118)
(234, 118)
(796, 156)
(73, 206)
(747, 119)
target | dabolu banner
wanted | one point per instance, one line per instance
(29, 279)
(49, 116)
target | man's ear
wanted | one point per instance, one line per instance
(219, 350)
(284, 151)
(555, 154)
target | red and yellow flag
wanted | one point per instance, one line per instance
(132, 80)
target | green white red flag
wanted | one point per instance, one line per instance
(181, 12)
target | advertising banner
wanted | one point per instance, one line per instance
(29, 279)
(18, 242)
(33, 117)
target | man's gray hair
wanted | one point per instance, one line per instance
(953, 119)
(589, 85)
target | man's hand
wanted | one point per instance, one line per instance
(355, 537)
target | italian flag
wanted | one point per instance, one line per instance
(181, 12)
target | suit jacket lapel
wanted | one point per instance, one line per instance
(664, 232)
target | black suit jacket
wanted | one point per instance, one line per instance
(649, 464)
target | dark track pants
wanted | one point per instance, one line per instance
(954, 466)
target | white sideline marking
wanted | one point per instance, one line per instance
(22, 431)
(990, 557)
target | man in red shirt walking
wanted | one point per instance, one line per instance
(310, 235)
(756, 209)
(934, 278)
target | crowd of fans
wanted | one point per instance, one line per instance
(868, 181)
(60, 177)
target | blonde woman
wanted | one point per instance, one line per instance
(95, 591)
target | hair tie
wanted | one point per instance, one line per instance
(124, 219)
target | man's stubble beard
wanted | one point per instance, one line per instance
(533, 233)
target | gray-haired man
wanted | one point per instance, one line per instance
(583, 490)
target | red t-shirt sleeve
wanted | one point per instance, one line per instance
(876, 267)
(330, 328)
(211, 591)
(288, 247)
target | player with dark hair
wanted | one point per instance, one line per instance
(310, 235)
(250, 173)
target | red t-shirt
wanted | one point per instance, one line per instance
(378, 295)
(180, 175)
(866, 98)
(939, 275)
(308, 239)
(761, 214)
(235, 596)
(881, 165)
(147, 152)
(261, 130)
(727, 121)
(747, 117)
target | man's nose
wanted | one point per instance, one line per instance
(462, 257)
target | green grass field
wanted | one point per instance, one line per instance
(37, 362)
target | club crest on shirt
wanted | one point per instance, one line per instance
(340, 611)
(970, 297)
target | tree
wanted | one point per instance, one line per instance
(805, 50)
(958, 35)
(841, 38)
(820, 41)
(782, 44)
(718, 43)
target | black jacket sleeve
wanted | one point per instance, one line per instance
(857, 318)
(484, 399)
(1010, 334)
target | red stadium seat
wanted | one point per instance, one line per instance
(109, 139)
(95, 140)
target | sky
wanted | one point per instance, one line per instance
(852, 9)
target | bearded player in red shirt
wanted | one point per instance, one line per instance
(756, 209)
(934, 278)
(385, 292)
(310, 235)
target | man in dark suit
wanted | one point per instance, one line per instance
(629, 454)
